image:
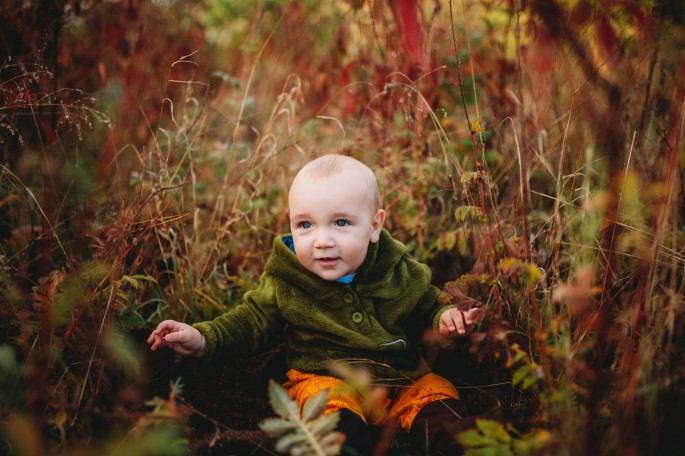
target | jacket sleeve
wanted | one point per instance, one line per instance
(429, 308)
(246, 329)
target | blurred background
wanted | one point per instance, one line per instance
(529, 151)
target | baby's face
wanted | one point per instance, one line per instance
(332, 221)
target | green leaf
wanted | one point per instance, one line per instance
(315, 406)
(66, 301)
(94, 271)
(8, 361)
(274, 427)
(332, 442)
(11, 391)
(529, 381)
(521, 374)
(135, 279)
(301, 450)
(296, 435)
(132, 281)
(163, 440)
(130, 319)
(288, 441)
(532, 441)
(325, 424)
(176, 386)
(519, 356)
(462, 213)
(493, 429)
(124, 352)
(484, 451)
(463, 243)
(281, 402)
(474, 438)
(450, 240)
(467, 176)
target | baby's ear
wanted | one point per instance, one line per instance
(377, 225)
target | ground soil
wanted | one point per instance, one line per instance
(228, 399)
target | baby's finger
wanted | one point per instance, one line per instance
(462, 320)
(176, 337)
(454, 321)
(477, 314)
(156, 343)
(466, 318)
(154, 337)
(158, 331)
(449, 322)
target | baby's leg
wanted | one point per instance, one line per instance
(421, 392)
(431, 412)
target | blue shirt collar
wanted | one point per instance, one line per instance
(288, 241)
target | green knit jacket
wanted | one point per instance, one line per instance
(378, 318)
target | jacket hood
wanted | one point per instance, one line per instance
(375, 272)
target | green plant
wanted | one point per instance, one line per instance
(491, 438)
(310, 432)
(541, 137)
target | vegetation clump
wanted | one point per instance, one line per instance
(529, 151)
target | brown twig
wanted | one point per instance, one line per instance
(479, 166)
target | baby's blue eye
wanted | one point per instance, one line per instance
(341, 222)
(305, 225)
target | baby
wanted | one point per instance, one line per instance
(339, 287)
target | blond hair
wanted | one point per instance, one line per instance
(331, 164)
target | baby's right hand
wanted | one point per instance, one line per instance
(180, 337)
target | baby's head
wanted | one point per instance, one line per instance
(335, 212)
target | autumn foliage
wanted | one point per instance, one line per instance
(529, 151)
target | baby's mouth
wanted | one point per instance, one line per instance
(327, 260)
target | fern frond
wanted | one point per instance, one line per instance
(310, 433)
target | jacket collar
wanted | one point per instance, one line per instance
(374, 273)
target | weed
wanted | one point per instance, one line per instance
(533, 159)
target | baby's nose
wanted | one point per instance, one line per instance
(324, 239)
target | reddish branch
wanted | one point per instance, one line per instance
(479, 167)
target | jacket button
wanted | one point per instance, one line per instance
(357, 317)
(348, 298)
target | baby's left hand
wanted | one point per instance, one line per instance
(455, 323)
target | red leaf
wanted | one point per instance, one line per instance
(411, 34)
(581, 13)
(608, 39)
(540, 56)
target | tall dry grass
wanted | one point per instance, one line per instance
(536, 163)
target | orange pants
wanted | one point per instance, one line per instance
(375, 405)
